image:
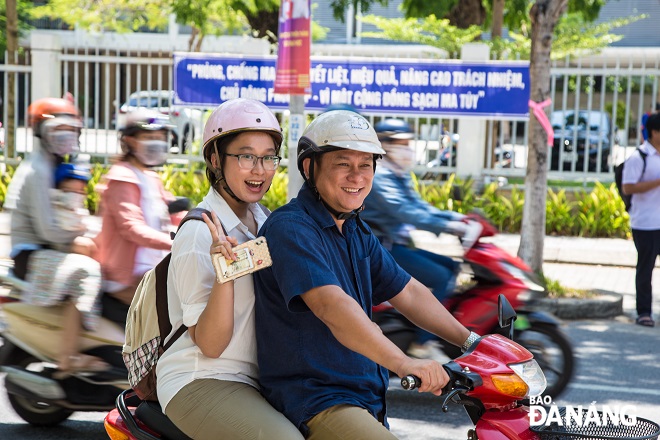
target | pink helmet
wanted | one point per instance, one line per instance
(239, 115)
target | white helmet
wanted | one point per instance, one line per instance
(338, 129)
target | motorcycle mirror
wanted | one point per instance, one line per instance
(506, 315)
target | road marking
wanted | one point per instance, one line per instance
(625, 390)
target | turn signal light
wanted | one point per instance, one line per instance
(510, 385)
(115, 433)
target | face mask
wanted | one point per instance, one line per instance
(68, 199)
(403, 157)
(73, 200)
(151, 153)
(62, 142)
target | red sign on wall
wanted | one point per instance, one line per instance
(294, 40)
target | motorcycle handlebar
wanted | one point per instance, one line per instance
(410, 382)
(458, 378)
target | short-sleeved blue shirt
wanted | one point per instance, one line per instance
(303, 369)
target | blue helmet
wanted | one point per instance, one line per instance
(393, 129)
(71, 171)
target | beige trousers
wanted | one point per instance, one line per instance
(347, 422)
(215, 409)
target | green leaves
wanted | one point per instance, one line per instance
(276, 195)
(430, 31)
(598, 213)
(5, 178)
(574, 34)
(108, 15)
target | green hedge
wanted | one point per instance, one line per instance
(597, 213)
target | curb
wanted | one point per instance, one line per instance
(606, 305)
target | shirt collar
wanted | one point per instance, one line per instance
(648, 148)
(229, 219)
(315, 208)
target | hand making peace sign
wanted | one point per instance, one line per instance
(222, 244)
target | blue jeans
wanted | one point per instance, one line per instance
(437, 272)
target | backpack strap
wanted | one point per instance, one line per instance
(643, 155)
(193, 214)
(161, 270)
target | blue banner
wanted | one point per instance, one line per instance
(436, 87)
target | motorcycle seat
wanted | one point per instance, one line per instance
(152, 415)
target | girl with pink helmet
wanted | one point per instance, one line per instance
(208, 381)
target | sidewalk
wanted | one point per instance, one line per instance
(567, 250)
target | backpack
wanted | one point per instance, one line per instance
(148, 324)
(618, 178)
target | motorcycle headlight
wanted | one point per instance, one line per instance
(527, 381)
(519, 274)
(532, 375)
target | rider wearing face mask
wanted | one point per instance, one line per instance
(134, 236)
(50, 252)
(394, 209)
(56, 127)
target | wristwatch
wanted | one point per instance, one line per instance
(469, 341)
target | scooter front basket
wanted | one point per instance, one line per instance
(597, 426)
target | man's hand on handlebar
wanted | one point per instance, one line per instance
(433, 376)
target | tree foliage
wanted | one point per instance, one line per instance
(572, 35)
(23, 9)
(206, 17)
(107, 15)
(431, 31)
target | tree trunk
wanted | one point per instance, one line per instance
(544, 16)
(12, 50)
(191, 41)
(466, 13)
(498, 18)
(198, 45)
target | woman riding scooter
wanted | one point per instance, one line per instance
(393, 209)
(135, 235)
(50, 254)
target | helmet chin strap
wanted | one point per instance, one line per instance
(219, 172)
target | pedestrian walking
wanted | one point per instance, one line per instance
(641, 179)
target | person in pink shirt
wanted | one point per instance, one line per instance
(135, 234)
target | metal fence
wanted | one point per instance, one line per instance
(592, 132)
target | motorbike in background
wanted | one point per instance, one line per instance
(31, 336)
(492, 272)
(492, 381)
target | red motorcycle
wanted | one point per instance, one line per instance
(492, 272)
(493, 379)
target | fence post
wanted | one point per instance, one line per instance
(46, 66)
(470, 157)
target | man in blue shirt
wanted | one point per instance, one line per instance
(322, 361)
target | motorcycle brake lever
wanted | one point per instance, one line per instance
(450, 396)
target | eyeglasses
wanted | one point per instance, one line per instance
(249, 161)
